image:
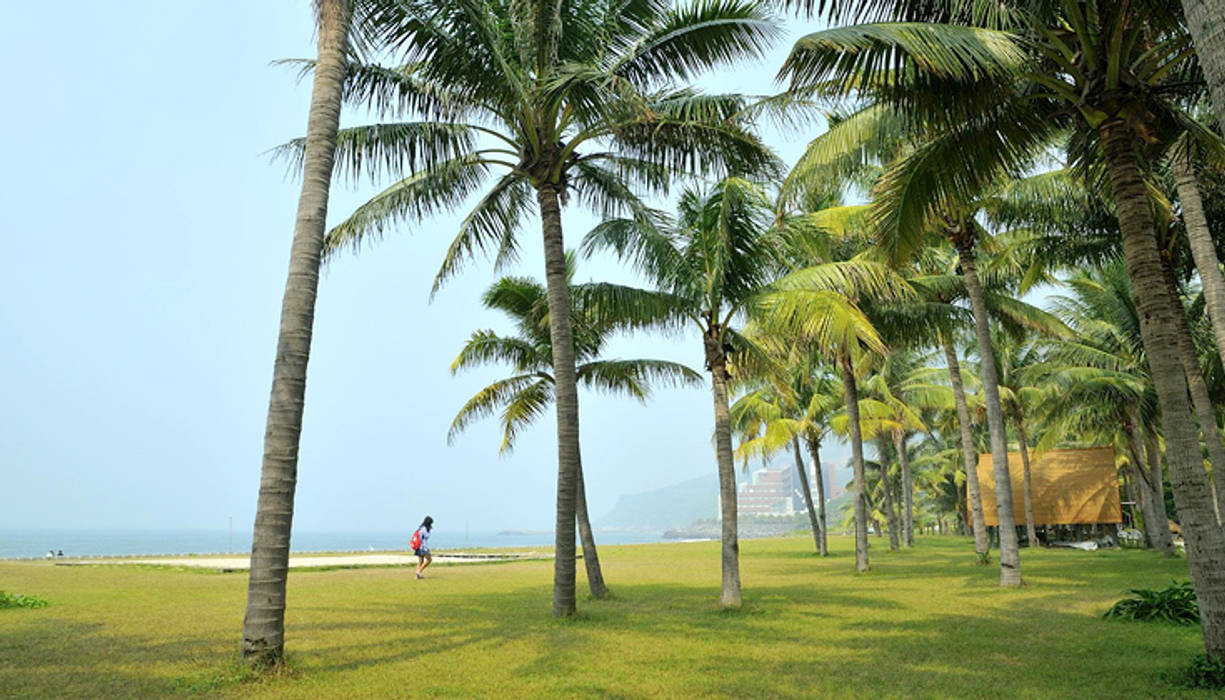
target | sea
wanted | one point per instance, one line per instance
(21, 544)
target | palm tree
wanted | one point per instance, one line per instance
(1101, 387)
(597, 310)
(713, 262)
(794, 403)
(878, 133)
(1205, 26)
(1096, 234)
(1185, 158)
(1000, 85)
(1019, 397)
(766, 421)
(263, 627)
(803, 307)
(569, 101)
(717, 263)
(901, 387)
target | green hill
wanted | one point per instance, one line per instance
(665, 508)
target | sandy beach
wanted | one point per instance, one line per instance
(298, 561)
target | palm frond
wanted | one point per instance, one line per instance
(635, 378)
(437, 189)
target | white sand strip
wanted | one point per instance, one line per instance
(297, 561)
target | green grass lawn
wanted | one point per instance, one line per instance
(925, 623)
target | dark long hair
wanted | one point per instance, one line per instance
(428, 523)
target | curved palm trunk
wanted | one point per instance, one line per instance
(1031, 531)
(591, 558)
(969, 456)
(717, 361)
(887, 488)
(899, 445)
(1156, 489)
(1204, 412)
(1133, 495)
(1157, 482)
(814, 448)
(1010, 556)
(1204, 539)
(263, 627)
(566, 388)
(1154, 526)
(851, 393)
(1202, 248)
(1208, 30)
(804, 490)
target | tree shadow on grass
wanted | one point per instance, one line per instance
(57, 658)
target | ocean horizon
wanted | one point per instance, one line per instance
(35, 543)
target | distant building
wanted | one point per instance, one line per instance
(776, 490)
(769, 492)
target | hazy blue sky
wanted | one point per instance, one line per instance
(146, 238)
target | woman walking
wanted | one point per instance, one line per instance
(420, 543)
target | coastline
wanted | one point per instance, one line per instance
(33, 544)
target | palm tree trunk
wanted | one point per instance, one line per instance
(263, 627)
(717, 361)
(1157, 481)
(591, 558)
(1200, 399)
(899, 445)
(969, 455)
(566, 389)
(1010, 556)
(890, 513)
(1208, 30)
(851, 393)
(1030, 531)
(812, 513)
(1153, 525)
(1133, 494)
(1150, 468)
(1204, 539)
(814, 448)
(1200, 238)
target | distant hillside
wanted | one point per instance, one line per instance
(662, 509)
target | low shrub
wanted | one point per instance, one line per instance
(16, 600)
(1204, 672)
(1175, 604)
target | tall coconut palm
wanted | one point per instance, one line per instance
(597, 311)
(1101, 383)
(1019, 398)
(1049, 66)
(1185, 158)
(879, 133)
(1071, 237)
(835, 324)
(718, 261)
(793, 404)
(716, 257)
(263, 628)
(573, 101)
(899, 387)
(1205, 25)
(766, 420)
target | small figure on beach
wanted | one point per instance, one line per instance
(420, 543)
(59, 553)
(50, 554)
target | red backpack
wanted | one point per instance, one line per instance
(415, 541)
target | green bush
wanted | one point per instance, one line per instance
(1174, 604)
(1204, 672)
(16, 600)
